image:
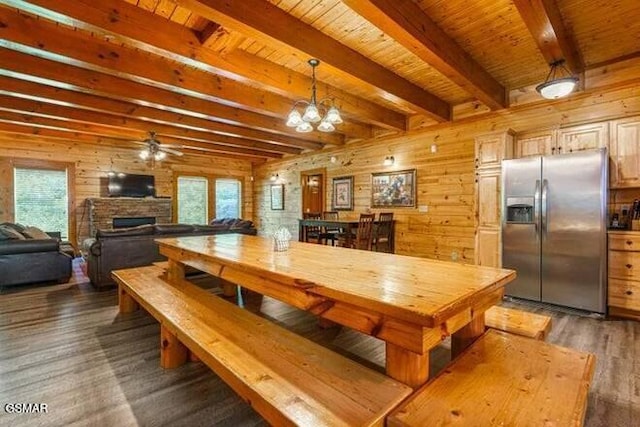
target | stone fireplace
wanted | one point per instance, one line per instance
(104, 212)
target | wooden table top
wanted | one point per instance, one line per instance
(419, 290)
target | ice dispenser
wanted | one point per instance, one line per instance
(520, 210)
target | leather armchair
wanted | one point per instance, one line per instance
(32, 261)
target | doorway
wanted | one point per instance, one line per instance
(313, 190)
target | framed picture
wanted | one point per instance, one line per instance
(393, 189)
(342, 199)
(277, 197)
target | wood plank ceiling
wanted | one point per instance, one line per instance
(219, 77)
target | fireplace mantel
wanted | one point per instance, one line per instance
(102, 210)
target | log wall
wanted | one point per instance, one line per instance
(93, 162)
(445, 178)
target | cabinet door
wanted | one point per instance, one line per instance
(488, 251)
(584, 137)
(492, 149)
(534, 144)
(625, 153)
(488, 198)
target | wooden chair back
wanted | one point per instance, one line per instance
(382, 236)
(364, 235)
(312, 231)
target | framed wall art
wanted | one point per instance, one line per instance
(342, 199)
(393, 189)
(277, 197)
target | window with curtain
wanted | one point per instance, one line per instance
(228, 198)
(193, 200)
(41, 199)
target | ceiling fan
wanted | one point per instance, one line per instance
(155, 151)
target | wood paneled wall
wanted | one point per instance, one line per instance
(445, 178)
(92, 162)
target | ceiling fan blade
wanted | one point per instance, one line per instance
(171, 151)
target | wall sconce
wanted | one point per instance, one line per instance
(333, 159)
(274, 177)
(389, 161)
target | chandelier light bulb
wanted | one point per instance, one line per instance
(333, 116)
(326, 126)
(304, 127)
(294, 119)
(311, 114)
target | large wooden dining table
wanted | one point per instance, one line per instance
(348, 225)
(410, 303)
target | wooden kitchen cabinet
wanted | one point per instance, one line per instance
(624, 274)
(625, 153)
(492, 148)
(489, 198)
(583, 137)
(534, 144)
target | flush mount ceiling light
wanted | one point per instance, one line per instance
(389, 161)
(323, 111)
(559, 82)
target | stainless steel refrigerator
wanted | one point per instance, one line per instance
(554, 228)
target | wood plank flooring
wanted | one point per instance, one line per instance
(66, 346)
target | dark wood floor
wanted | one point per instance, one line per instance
(66, 346)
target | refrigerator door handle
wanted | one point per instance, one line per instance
(536, 208)
(543, 207)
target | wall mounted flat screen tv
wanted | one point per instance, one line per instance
(131, 185)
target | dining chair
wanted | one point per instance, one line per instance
(382, 236)
(312, 231)
(364, 234)
(330, 233)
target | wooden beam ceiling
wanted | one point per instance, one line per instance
(263, 21)
(138, 28)
(152, 116)
(410, 26)
(543, 19)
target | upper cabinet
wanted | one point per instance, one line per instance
(583, 137)
(534, 144)
(491, 149)
(562, 141)
(625, 153)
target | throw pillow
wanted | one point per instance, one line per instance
(10, 233)
(35, 233)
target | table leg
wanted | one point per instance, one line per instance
(175, 271)
(406, 366)
(464, 337)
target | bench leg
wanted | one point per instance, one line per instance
(406, 366)
(126, 303)
(229, 289)
(172, 352)
(464, 337)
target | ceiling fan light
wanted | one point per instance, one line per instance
(326, 126)
(294, 119)
(311, 114)
(304, 127)
(160, 155)
(557, 88)
(144, 154)
(333, 116)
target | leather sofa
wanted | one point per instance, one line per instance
(33, 261)
(135, 247)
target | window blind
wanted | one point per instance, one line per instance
(192, 200)
(228, 198)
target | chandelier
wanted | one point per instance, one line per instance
(315, 111)
(555, 85)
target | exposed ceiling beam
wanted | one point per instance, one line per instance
(153, 116)
(48, 124)
(131, 25)
(28, 67)
(258, 18)
(26, 106)
(410, 26)
(88, 52)
(544, 21)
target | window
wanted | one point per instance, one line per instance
(228, 198)
(41, 199)
(203, 198)
(193, 200)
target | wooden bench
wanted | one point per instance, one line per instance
(518, 322)
(286, 378)
(504, 380)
